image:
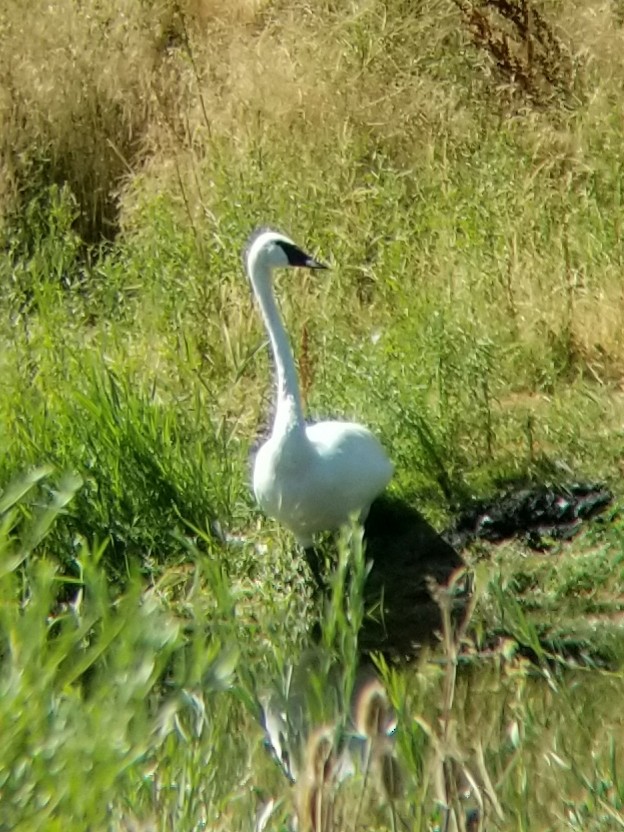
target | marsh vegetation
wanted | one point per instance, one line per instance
(459, 164)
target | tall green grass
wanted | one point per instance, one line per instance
(472, 317)
(140, 708)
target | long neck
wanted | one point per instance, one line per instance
(289, 411)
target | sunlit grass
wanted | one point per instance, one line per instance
(472, 317)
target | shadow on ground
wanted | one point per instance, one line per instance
(409, 556)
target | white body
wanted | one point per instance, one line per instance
(311, 478)
(317, 484)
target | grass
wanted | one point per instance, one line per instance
(468, 197)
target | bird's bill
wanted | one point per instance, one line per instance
(311, 263)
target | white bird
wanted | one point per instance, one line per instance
(310, 477)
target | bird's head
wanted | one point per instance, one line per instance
(268, 249)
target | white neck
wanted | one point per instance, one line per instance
(289, 411)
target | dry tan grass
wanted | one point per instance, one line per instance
(97, 88)
(224, 11)
(90, 93)
(76, 95)
(122, 102)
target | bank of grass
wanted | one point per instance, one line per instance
(472, 317)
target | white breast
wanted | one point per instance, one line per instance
(315, 481)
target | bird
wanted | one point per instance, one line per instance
(310, 477)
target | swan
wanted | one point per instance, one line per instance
(311, 478)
